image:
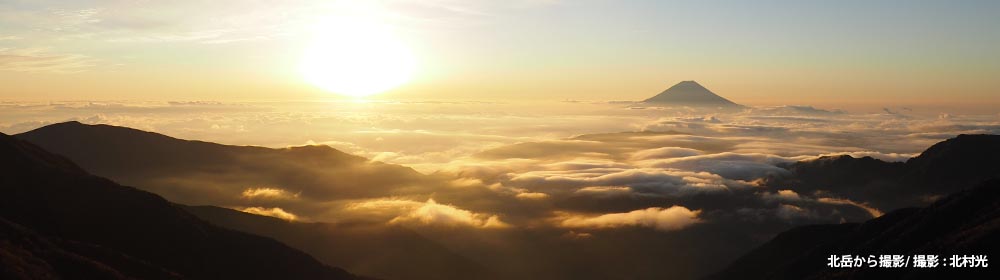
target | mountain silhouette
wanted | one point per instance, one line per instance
(690, 93)
(182, 170)
(944, 168)
(59, 222)
(964, 223)
(955, 163)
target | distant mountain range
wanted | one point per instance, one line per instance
(944, 168)
(965, 223)
(691, 94)
(181, 170)
(59, 222)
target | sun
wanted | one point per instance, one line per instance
(356, 57)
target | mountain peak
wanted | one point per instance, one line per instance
(962, 160)
(690, 93)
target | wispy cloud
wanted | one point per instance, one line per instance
(272, 212)
(664, 219)
(268, 194)
(40, 60)
(841, 201)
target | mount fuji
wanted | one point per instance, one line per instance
(690, 93)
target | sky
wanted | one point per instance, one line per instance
(845, 54)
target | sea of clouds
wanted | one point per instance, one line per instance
(609, 174)
(570, 153)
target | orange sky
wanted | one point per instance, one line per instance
(853, 54)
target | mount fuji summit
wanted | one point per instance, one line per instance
(692, 94)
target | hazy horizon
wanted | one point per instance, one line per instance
(433, 135)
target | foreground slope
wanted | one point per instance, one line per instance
(965, 223)
(24, 254)
(57, 221)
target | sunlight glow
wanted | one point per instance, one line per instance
(356, 56)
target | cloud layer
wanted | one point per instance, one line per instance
(501, 181)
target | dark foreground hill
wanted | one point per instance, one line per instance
(965, 223)
(59, 222)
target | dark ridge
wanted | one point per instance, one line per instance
(943, 168)
(105, 149)
(182, 170)
(956, 162)
(844, 169)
